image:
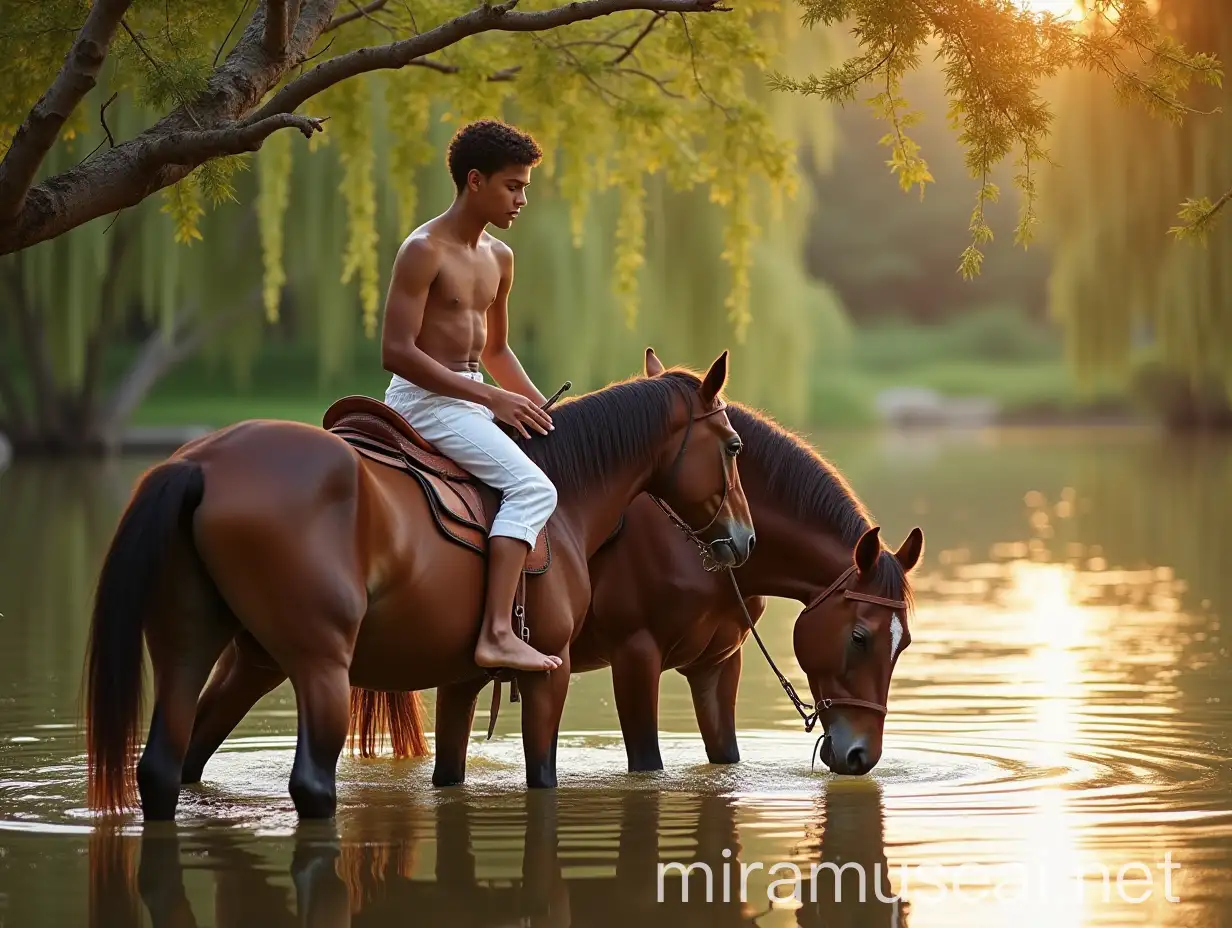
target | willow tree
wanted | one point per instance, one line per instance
(580, 328)
(574, 317)
(996, 56)
(1116, 284)
(617, 91)
(620, 91)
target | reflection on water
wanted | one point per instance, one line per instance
(637, 857)
(1059, 723)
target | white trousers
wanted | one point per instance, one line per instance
(468, 434)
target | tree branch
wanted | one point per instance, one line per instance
(641, 35)
(654, 80)
(499, 18)
(157, 67)
(227, 37)
(41, 128)
(125, 175)
(102, 117)
(274, 40)
(193, 148)
(360, 12)
(1219, 205)
(504, 74)
(228, 117)
(697, 78)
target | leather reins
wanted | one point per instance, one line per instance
(808, 713)
(810, 718)
(709, 564)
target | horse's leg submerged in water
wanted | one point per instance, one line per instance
(455, 714)
(186, 629)
(296, 585)
(636, 667)
(714, 688)
(543, 702)
(316, 656)
(244, 674)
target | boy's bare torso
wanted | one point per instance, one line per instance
(455, 323)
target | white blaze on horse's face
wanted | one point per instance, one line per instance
(896, 634)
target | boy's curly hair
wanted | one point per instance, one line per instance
(487, 146)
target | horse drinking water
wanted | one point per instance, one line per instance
(816, 544)
(654, 608)
(323, 563)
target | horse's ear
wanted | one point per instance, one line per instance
(868, 549)
(909, 552)
(715, 380)
(654, 367)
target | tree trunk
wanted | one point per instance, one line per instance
(74, 426)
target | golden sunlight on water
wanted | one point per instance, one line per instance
(1062, 712)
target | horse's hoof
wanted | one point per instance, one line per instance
(312, 801)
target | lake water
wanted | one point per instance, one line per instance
(1062, 714)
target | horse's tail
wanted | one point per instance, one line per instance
(377, 714)
(112, 884)
(164, 498)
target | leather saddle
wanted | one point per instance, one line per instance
(462, 506)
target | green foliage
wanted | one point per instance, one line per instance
(999, 333)
(182, 202)
(1118, 286)
(273, 188)
(995, 353)
(996, 55)
(35, 39)
(1198, 217)
(890, 255)
(616, 102)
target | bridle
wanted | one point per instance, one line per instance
(709, 564)
(808, 712)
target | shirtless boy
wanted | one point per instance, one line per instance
(447, 311)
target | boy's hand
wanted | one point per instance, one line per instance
(518, 411)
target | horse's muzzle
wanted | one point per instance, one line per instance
(735, 549)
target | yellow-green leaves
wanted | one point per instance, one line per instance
(616, 102)
(182, 202)
(273, 187)
(1198, 217)
(996, 55)
(1121, 285)
(353, 119)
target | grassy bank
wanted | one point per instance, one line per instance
(995, 354)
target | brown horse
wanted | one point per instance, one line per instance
(654, 608)
(328, 568)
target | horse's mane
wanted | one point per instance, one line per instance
(812, 488)
(600, 432)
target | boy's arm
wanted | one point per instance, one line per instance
(497, 356)
(414, 270)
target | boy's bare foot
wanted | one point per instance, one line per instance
(510, 651)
